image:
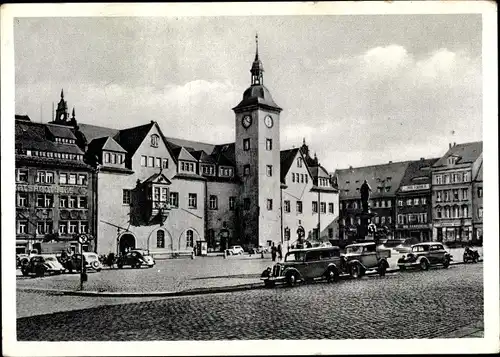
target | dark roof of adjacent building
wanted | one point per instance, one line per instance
(203, 157)
(287, 158)
(190, 145)
(479, 176)
(33, 136)
(350, 180)
(92, 132)
(60, 131)
(466, 153)
(418, 172)
(131, 138)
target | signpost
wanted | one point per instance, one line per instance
(82, 240)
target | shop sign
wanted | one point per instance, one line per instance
(424, 186)
(414, 226)
(52, 189)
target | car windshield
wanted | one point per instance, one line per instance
(91, 257)
(420, 248)
(50, 259)
(295, 257)
(354, 249)
(141, 253)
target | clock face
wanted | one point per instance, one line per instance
(246, 121)
(268, 121)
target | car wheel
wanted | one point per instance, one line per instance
(424, 264)
(291, 279)
(98, 270)
(355, 271)
(332, 275)
(25, 272)
(446, 262)
(119, 266)
(402, 267)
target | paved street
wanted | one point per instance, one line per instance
(403, 305)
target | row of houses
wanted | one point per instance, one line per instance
(138, 188)
(427, 199)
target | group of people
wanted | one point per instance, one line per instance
(276, 251)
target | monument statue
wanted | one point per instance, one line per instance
(365, 195)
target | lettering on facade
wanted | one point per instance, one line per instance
(68, 190)
(424, 186)
(414, 226)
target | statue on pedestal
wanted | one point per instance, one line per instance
(365, 195)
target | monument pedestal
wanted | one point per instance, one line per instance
(366, 219)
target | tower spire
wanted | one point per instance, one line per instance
(257, 69)
(62, 93)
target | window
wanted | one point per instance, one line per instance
(439, 213)
(447, 212)
(45, 200)
(212, 202)
(480, 212)
(400, 219)
(389, 220)
(382, 203)
(40, 227)
(164, 163)
(154, 140)
(302, 178)
(330, 232)
(293, 177)
(455, 195)
(287, 206)
(269, 144)
(479, 192)
(113, 158)
(439, 196)
(49, 177)
(456, 211)
(446, 179)
(158, 162)
(232, 203)
(174, 199)
(307, 178)
(269, 170)
(246, 170)
(423, 201)
(299, 162)
(144, 161)
(447, 196)
(382, 220)
(72, 179)
(192, 200)
(246, 144)
(287, 234)
(439, 179)
(376, 219)
(160, 239)
(269, 204)
(208, 170)
(465, 211)
(156, 194)
(330, 207)
(126, 197)
(466, 177)
(315, 207)
(21, 227)
(465, 193)
(40, 176)
(72, 202)
(387, 188)
(226, 171)
(189, 239)
(323, 207)
(82, 180)
(299, 206)
(22, 175)
(416, 202)
(400, 203)
(380, 189)
(151, 161)
(63, 201)
(107, 158)
(82, 202)
(22, 199)
(246, 204)
(63, 227)
(164, 194)
(84, 227)
(73, 226)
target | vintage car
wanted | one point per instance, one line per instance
(235, 249)
(361, 257)
(305, 264)
(424, 255)
(136, 259)
(92, 261)
(41, 265)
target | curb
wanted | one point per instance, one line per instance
(189, 292)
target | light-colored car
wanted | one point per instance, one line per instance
(423, 255)
(361, 257)
(92, 261)
(236, 249)
(305, 264)
(41, 265)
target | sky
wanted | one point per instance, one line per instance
(361, 90)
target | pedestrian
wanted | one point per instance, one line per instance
(273, 252)
(280, 252)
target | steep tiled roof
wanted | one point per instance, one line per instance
(225, 152)
(202, 156)
(158, 177)
(191, 145)
(467, 153)
(33, 136)
(319, 171)
(92, 132)
(111, 145)
(287, 158)
(479, 176)
(183, 154)
(60, 131)
(131, 138)
(257, 95)
(418, 172)
(350, 180)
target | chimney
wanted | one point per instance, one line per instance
(454, 144)
(350, 167)
(390, 162)
(422, 158)
(449, 146)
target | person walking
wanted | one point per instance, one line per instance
(280, 252)
(273, 252)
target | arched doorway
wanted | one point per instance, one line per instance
(127, 242)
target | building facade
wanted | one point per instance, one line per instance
(55, 188)
(452, 196)
(477, 205)
(384, 181)
(414, 202)
(169, 195)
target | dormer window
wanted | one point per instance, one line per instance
(226, 171)
(155, 139)
(452, 160)
(208, 170)
(299, 162)
(187, 166)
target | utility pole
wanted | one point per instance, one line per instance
(319, 211)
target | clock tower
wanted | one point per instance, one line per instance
(257, 155)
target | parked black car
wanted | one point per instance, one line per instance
(41, 265)
(136, 259)
(72, 262)
(470, 255)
